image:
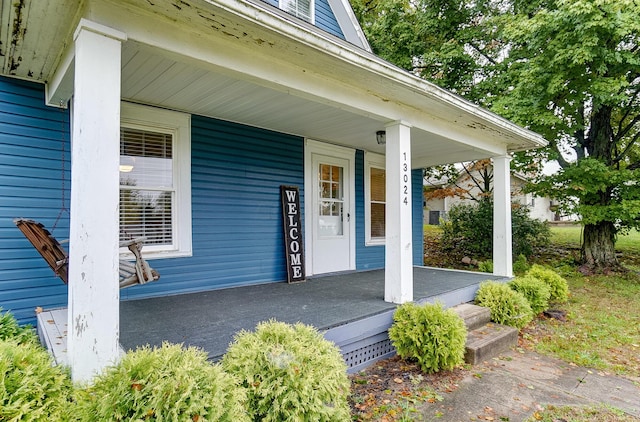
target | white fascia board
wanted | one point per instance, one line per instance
(59, 90)
(349, 24)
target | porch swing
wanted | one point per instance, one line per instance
(52, 251)
(55, 255)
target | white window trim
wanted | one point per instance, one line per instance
(179, 125)
(312, 11)
(375, 161)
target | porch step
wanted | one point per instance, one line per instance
(489, 341)
(484, 338)
(474, 316)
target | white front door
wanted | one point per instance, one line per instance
(330, 213)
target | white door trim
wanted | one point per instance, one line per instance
(311, 148)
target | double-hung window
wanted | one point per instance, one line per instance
(375, 197)
(302, 9)
(155, 180)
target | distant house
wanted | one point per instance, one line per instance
(437, 203)
(180, 121)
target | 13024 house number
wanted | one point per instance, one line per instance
(405, 179)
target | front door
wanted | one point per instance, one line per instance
(331, 215)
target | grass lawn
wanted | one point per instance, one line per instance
(571, 236)
(579, 414)
(602, 330)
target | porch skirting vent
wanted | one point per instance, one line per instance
(366, 355)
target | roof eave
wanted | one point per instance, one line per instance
(522, 139)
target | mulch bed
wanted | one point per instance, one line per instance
(393, 389)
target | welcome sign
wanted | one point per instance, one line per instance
(290, 197)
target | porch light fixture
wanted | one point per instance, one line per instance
(381, 137)
(124, 168)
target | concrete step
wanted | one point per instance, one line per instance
(474, 316)
(489, 341)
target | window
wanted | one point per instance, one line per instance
(375, 197)
(155, 180)
(302, 9)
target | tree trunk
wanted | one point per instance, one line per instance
(598, 248)
(598, 243)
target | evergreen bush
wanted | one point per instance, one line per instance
(431, 335)
(169, 383)
(31, 387)
(469, 230)
(558, 285)
(486, 266)
(536, 291)
(507, 306)
(290, 373)
(520, 265)
(10, 329)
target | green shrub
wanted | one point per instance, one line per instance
(10, 329)
(469, 230)
(431, 335)
(486, 266)
(507, 306)
(31, 388)
(536, 291)
(169, 383)
(520, 265)
(558, 285)
(290, 372)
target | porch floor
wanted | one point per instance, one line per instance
(210, 319)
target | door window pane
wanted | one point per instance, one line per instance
(330, 213)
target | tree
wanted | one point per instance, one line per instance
(567, 69)
(472, 181)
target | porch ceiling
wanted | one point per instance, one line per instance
(253, 64)
(149, 77)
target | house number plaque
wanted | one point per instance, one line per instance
(294, 254)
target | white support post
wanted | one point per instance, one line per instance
(502, 249)
(94, 296)
(398, 274)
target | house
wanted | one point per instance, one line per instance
(441, 195)
(180, 120)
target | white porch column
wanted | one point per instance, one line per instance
(94, 296)
(502, 249)
(398, 274)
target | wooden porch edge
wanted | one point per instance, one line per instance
(52, 331)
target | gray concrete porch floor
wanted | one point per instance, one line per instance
(210, 319)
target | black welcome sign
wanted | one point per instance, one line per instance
(290, 197)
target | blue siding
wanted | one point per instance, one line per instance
(367, 257)
(236, 213)
(32, 138)
(416, 216)
(325, 18)
(372, 257)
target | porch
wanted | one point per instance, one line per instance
(349, 309)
